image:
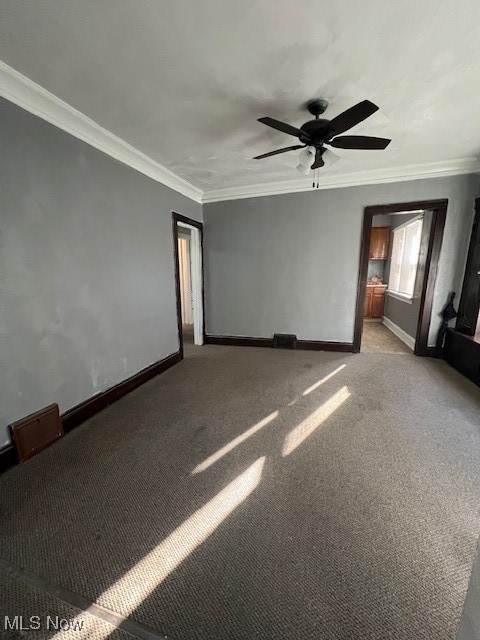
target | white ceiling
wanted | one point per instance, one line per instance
(184, 81)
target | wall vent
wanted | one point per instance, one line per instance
(37, 431)
(284, 341)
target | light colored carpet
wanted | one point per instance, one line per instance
(376, 338)
(263, 494)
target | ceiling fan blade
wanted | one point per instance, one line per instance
(318, 160)
(359, 142)
(282, 126)
(274, 153)
(353, 116)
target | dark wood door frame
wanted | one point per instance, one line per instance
(439, 211)
(176, 218)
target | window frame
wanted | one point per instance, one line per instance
(393, 293)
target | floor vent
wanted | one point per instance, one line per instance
(284, 341)
(37, 431)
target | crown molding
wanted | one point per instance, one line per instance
(32, 97)
(360, 178)
(25, 93)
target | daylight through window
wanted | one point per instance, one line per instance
(405, 254)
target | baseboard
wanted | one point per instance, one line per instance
(85, 410)
(239, 341)
(307, 345)
(325, 345)
(8, 457)
(400, 333)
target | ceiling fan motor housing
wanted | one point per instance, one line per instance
(317, 106)
(317, 132)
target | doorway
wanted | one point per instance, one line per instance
(399, 256)
(188, 248)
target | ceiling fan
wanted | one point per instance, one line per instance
(319, 132)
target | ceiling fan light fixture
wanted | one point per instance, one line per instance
(330, 158)
(306, 156)
(303, 169)
(305, 160)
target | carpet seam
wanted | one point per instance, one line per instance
(10, 570)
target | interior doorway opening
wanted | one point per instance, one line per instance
(185, 272)
(188, 245)
(396, 270)
(399, 257)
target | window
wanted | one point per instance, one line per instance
(404, 260)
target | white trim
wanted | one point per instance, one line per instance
(25, 93)
(196, 257)
(400, 333)
(197, 280)
(376, 176)
(400, 296)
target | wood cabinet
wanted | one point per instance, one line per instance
(379, 242)
(374, 302)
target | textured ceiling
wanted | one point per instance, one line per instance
(184, 81)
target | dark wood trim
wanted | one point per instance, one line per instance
(8, 457)
(439, 210)
(239, 341)
(324, 345)
(468, 307)
(462, 352)
(304, 345)
(178, 295)
(176, 218)
(193, 223)
(430, 277)
(81, 412)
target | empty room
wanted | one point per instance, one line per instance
(239, 320)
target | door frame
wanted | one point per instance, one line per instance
(439, 211)
(463, 325)
(197, 277)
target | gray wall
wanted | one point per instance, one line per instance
(401, 312)
(289, 263)
(87, 292)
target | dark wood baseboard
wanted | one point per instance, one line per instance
(307, 345)
(323, 345)
(432, 352)
(239, 341)
(85, 410)
(78, 414)
(8, 457)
